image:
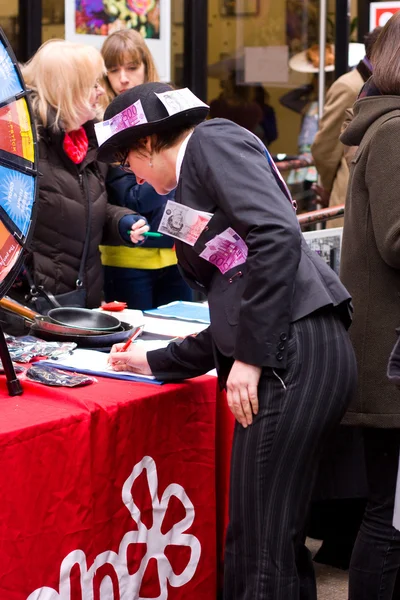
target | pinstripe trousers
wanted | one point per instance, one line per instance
(275, 460)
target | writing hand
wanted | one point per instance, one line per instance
(134, 359)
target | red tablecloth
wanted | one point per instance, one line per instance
(116, 491)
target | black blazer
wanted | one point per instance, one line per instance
(225, 172)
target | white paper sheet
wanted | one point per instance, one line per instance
(91, 360)
(265, 64)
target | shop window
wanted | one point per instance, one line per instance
(53, 20)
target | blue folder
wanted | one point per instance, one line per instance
(185, 311)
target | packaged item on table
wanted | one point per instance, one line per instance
(55, 377)
(17, 368)
(25, 349)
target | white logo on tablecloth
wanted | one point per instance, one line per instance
(155, 540)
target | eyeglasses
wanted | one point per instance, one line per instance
(124, 164)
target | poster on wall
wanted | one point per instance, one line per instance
(381, 12)
(90, 21)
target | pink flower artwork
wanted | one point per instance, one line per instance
(140, 7)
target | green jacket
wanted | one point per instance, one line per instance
(370, 260)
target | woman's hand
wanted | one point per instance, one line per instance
(137, 231)
(242, 387)
(134, 359)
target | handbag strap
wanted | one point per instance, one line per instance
(85, 189)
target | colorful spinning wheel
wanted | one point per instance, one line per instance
(18, 183)
(18, 167)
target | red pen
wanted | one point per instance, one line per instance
(133, 337)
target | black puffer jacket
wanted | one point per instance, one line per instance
(69, 196)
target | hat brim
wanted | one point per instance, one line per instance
(300, 63)
(122, 140)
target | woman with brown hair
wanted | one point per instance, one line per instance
(128, 62)
(370, 268)
(148, 276)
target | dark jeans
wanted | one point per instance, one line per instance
(376, 557)
(145, 288)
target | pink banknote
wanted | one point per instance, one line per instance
(226, 250)
(130, 117)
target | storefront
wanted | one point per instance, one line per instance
(231, 46)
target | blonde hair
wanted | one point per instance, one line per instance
(122, 45)
(62, 75)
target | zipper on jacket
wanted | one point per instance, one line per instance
(86, 196)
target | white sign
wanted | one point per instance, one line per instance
(266, 64)
(98, 18)
(327, 243)
(156, 542)
(381, 12)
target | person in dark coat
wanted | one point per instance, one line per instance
(72, 199)
(278, 325)
(235, 104)
(268, 129)
(370, 268)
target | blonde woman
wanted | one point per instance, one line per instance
(148, 276)
(73, 215)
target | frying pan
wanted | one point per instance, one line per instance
(46, 324)
(84, 319)
(101, 341)
(17, 308)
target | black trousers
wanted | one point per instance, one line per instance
(375, 562)
(275, 461)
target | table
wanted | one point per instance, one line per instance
(115, 491)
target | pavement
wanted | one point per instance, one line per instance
(331, 582)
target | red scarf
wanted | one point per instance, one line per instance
(76, 145)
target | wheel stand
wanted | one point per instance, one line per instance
(13, 383)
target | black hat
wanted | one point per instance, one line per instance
(157, 108)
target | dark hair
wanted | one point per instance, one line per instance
(370, 39)
(159, 141)
(385, 58)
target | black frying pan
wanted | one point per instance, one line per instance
(84, 318)
(101, 341)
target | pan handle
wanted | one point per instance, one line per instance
(17, 308)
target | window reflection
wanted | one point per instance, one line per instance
(9, 22)
(52, 19)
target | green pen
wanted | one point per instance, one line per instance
(152, 234)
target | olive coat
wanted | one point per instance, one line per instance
(370, 259)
